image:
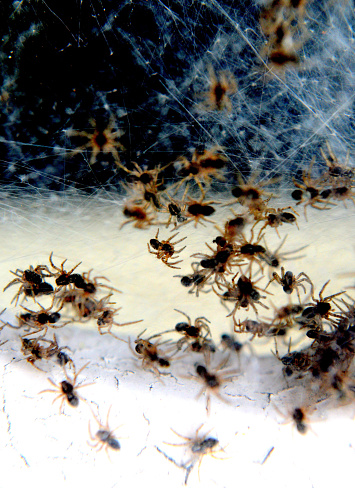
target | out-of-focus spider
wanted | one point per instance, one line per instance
(105, 319)
(234, 227)
(32, 283)
(149, 353)
(104, 438)
(165, 249)
(298, 416)
(314, 194)
(312, 316)
(199, 445)
(197, 210)
(67, 389)
(253, 327)
(212, 381)
(290, 282)
(33, 350)
(221, 87)
(243, 293)
(192, 333)
(273, 258)
(197, 279)
(204, 165)
(139, 215)
(103, 140)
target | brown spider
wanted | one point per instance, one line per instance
(221, 86)
(275, 218)
(104, 437)
(253, 327)
(32, 283)
(149, 353)
(67, 389)
(62, 277)
(33, 350)
(203, 165)
(100, 141)
(105, 319)
(289, 282)
(250, 250)
(243, 293)
(139, 215)
(197, 210)
(165, 249)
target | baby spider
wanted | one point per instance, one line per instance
(203, 165)
(105, 320)
(290, 282)
(165, 249)
(102, 141)
(298, 416)
(67, 389)
(149, 353)
(336, 173)
(32, 283)
(243, 293)
(137, 214)
(197, 279)
(62, 277)
(40, 320)
(33, 350)
(192, 333)
(213, 380)
(312, 316)
(253, 327)
(104, 437)
(249, 193)
(199, 446)
(176, 210)
(198, 211)
(309, 186)
(221, 86)
(275, 218)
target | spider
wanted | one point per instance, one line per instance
(137, 214)
(233, 227)
(253, 327)
(309, 186)
(221, 86)
(104, 437)
(33, 350)
(198, 211)
(213, 380)
(192, 332)
(203, 165)
(336, 172)
(312, 316)
(249, 249)
(197, 279)
(67, 389)
(199, 447)
(149, 353)
(32, 283)
(102, 140)
(62, 277)
(243, 293)
(289, 282)
(275, 218)
(273, 258)
(105, 319)
(220, 263)
(165, 249)
(176, 211)
(40, 320)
